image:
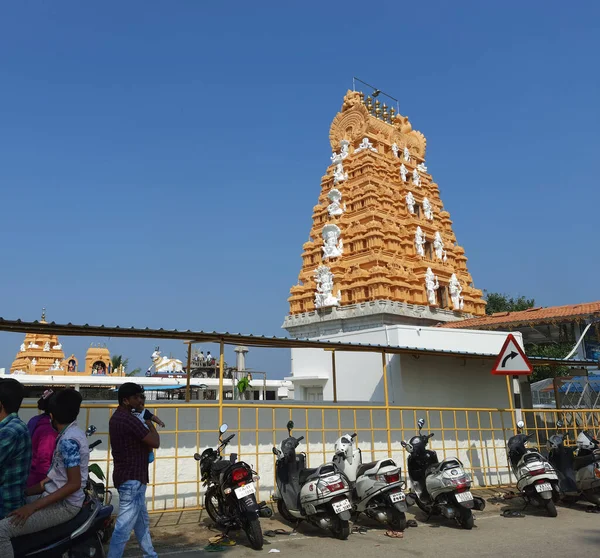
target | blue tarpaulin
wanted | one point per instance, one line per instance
(577, 383)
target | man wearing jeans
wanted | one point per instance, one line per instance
(131, 443)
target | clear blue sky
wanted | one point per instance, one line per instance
(159, 161)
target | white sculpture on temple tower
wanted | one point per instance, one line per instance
(365, 144)
(406, 154)
(432, 285)
(338, 172)
(420, 242)
(427, 209)
(333, 246)
(455, 293)
(422, 167)
(416, 178)
(34, 361)
(23, 348)
(344, 148)
(57, 347)
(165, 364)
(334, 208)
(47, 347)
(324, 296)
(403, 172)
(56, 365)
(395, 149)
(410, 202)
(33, 345)
(438, 246)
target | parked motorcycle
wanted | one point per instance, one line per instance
(230, 496)
(440, 488)
(537, 480)
(79, 537)
(318, 495)
(377, 487)
(587, 467)
(562, 458)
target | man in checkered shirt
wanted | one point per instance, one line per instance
(15, 448)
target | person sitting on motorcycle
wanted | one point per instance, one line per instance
(58, 497)
(43, 438)
(15, 448)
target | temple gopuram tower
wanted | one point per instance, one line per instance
(381, 249)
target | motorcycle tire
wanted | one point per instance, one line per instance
(422, 506)
(211, 503)
(550, 508)
(398, 521)
(283, 511)
(340, 528)
(254, 533)
(465, 518)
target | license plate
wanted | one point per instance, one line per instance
(397, 497)
(545, 487)
(341, 506)
(245, 490)
(464, 496)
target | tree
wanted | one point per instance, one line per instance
(552, 350)
(499, 302)
(118, 361)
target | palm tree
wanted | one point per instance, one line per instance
(119, 360)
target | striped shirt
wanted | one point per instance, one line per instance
(15, 463)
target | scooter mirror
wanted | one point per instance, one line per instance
(520, 424)
(290, 425)
(421, 423)
(403, 443)
(91, 429)
(223, 428)
(274, 451)
(559, 424)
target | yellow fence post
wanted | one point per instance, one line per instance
(221, 374)
(189, 373)
(387, 403)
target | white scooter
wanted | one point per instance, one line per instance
(378, 487)
(440, 488)
(318, 495)
(537, 480)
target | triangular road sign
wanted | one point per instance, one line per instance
(512, 360)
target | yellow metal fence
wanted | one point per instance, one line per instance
(476, 436)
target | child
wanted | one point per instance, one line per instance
(144, 415)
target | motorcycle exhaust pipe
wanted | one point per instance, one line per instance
(447, 511)
(264, 510)
(411, 499)
(478, 503)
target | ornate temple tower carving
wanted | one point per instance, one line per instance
(392, 235)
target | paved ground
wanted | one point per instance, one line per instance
(573, 532)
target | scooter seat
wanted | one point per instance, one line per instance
(365, 467)
(305, 474)
(34, 541)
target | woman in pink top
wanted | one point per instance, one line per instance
(43, 438)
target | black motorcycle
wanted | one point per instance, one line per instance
(81, 536)
(230, 498)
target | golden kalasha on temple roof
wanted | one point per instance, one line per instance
(380, 231)
(42, 354)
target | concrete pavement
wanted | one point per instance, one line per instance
(573, 532)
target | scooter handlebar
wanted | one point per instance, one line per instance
(298, 440)
(354, 435)
(430, 435)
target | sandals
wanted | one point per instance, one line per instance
(412, 523)
(275, 532)
(512, 513)
(394, 534)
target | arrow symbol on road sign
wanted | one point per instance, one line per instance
(512, 355)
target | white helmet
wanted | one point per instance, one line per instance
(585, 441)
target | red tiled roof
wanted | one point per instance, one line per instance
(527, 317)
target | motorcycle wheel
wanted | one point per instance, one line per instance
(254, 534)
(465, 518)
(283, 511)
(422, 506)
(550, 508)
(398, 521)
(340, 529)
(211, 505)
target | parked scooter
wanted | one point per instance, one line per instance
(78, 537)
(562, 458)
(537, 480)
(318, 495)
(377, 486)
(230, 496)
(587, 466)
(440, 488)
